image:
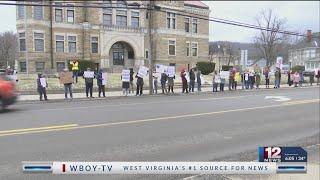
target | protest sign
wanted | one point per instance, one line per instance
(161, 68)
(224, 74)
(171, 71)
(279, 63)
(65, 77)
(125, 75)
(143, 71)
(104, 78)
(43, 82)
(88, 74)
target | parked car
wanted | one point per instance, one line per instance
(8, 93)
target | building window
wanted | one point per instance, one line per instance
(172, 47)
(130, 54)
(194, 49)
(39, 42)
(135, 19)
(21, 12)
(70, 13)
(194, 26)
(23, 67)
(22, 41)
(94, 44)
(118, 54)
(72, 44)
(187, 24)
(38, 12)
(107, 16)
(147, 54)
(312, 53)
(60, 66)
(39, 66)
(58, 15)
(59, 43)
(188, 48)
(121, 18)
(171, 20)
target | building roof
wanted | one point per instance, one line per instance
(198, 4)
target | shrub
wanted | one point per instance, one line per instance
(206, 67)
(297, 68)
(226, 68)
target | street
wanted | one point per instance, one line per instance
(195, 127)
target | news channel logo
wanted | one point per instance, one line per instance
(282, 154)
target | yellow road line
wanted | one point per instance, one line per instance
(158, 119)
(39, 128)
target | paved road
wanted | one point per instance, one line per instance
(198, 127)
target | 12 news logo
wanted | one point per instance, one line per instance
(272, 154)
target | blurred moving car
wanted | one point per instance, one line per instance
(8, 93)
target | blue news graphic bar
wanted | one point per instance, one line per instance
(37, 166)
(291, 167)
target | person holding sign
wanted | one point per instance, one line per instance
(184, 81)
(66, 79)
(139, 85)
(155, 82)
(42, 85)
(126, 79)
(163, 81)
(101, 82)
(216, 81)
(192, 77)
(88, 78)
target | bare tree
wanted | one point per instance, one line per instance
(8, 48)
(269, 42)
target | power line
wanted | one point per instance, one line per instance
(135, 6)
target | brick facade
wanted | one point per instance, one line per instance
(88, 25)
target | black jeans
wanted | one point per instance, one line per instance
(170, 88)
(89, 89)
(102, 89)
(139, 89)
(221, 87)
(42, 92)
(191, 86)
(67, 87)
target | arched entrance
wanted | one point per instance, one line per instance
(122, 54)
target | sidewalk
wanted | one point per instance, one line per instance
(146, 92)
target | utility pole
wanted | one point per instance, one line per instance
(26, 37)
(150, 27)
(51, 37)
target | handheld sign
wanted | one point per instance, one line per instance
(161, 68)
(88, 74)
(224, 74)
(65, 77)
(143, 71)
(43, 82)
(171, 71)
(125, 75)
(104, 78)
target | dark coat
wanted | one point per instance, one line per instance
(192, 76)
(139, 80)
(99, 78)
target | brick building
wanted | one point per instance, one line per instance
(113, 36)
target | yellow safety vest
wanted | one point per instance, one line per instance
(75, 66)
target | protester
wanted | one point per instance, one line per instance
(296, 79)
(215, 81)
(318, 76)
(246, 79)
(89, 84)
(139, 85)
(222, 82)
(199, 80)
(155, 82)
(237, 79)
(266, 76)
(131, 89)
(67, 87)
(192, 77)
(277, 78)
(289, 78)
(101, 87)
(75, 69)
(42, 87)
(258, 80)
(311, 78)
(171, 83)
(251, 79)
(231, 79)
(184, 81)
(301, 78)
(125, 88)
(163, 81)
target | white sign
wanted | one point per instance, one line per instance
(161, 68)
(43, 82)
(88, 74)
(279, 62)
(143, 71)
(171, 71)
(104, 78)
(125, 75)
(278, 98)
(224, 74)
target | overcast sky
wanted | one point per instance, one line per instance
(300, 15)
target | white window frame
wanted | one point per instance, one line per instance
(189, 45)
(62, 13)
(185, 21)
(95, 36)
(64, 42)
(74, 13)
(171, 16)
(175, 47)
(193, 48)
(135, 17)
(197, 23)
(33, 13)
(107, 13)
(24, 12)
(77, 50)
(44, 40)
(119, 14)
